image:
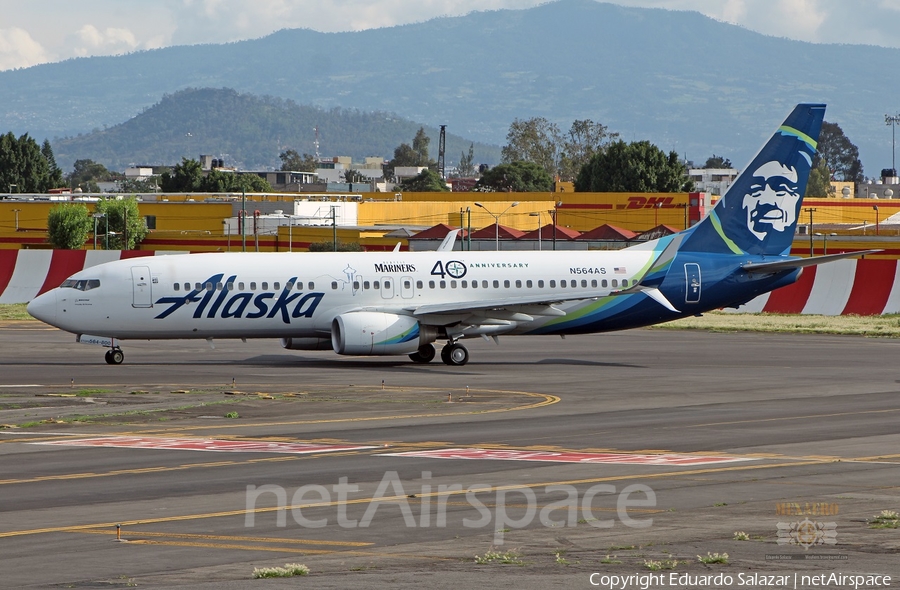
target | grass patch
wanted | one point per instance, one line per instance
(713, 558)
(887, 519)
(14, 312)
(883, 326)
(90, 392)
(741, 536)
(507, 557)
(289, 570)
(232, 415)
(663, 564)
(610, 560)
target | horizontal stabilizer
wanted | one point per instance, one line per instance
(794, 263)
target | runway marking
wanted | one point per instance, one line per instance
(24, 385)
(784, 418)
(567, 457)
(494, 489)
(230, 538)
(208, 444)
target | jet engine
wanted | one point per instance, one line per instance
(375, 333)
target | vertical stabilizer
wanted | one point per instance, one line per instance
(758, 214)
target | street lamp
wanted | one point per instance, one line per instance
(16, 211)
(96, 217)
(825, 241)
(656, 207)
(540, 229)
(875, 207)
(496, 221)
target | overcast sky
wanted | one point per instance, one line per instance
(34, 32)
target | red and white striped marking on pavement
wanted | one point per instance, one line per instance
(203, 444)
(568, 457)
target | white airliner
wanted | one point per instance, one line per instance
(402, 302)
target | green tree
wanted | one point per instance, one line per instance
(220, 181)
(420, 147)
(526, 177)
(55, 179)
(636, 166)
(411, 155)
(425, 182)
(584, 139)
(294, 162)
(466, 167)
(839, 154)
(819, 184)
(715, 161)
(184, 177)
(22, 164)
(86, 174)
(117, 212)
(534, 140)
(68, 226)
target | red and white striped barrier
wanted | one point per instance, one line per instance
(861, 287)
(25, 274)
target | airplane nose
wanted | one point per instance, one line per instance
(43, 307)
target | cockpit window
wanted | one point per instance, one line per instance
(80, 284)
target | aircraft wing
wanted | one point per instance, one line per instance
(793, 263)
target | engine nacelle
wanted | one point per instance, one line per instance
(373, 333)
(306, 343)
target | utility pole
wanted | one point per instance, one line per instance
(810, 210)
(334, 227)
(243, 220)
(16, 211)
(892, 120)
(125, 226)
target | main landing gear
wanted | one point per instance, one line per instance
(114, 356)
(453, 354)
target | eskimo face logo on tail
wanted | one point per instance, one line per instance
(771, 204)
(229, 303)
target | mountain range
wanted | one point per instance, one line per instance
(682, 80)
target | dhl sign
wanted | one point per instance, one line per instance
(637, 202)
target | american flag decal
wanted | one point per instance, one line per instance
(620, 270)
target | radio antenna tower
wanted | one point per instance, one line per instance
(442, 144)
(316, 143)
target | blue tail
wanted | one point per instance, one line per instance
(758, 214)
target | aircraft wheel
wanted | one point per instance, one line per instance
(425, 354)
(456, 355)
(108, 357)
(116, 357)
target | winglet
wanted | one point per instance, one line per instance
(449, 242)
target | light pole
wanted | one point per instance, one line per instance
(540, 229)
(875, 207)
(812, 210)
(496, 221)
(892, 120)
(96, 217)
(825, 241)
(16, 211)
(656, 207)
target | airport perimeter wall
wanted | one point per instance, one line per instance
(863, 287)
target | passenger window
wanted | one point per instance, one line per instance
(528, 283)
(474, 284)
(376, 284)
(219, 286)
(540, 284)
(465, 284)
(584, 282)
(355, 285)
(431, 284)
(452, 284)
(419, 284)
(443, 284)
(209, 286)
(603, 283)
(496, 284)
(276, 285)
(367, 285)
(333, 285)
(407, 284)
(484, 284)
(312, 286)
(552, 284)
(265, 286)
(563, 284)
(299, 285)
(241, 286)
(593, 282)
(230, 286)
(518, 284)
(177, 287)
(615, 283)
(387, 284)
(253, 286)
(187, 286)
(198, 286)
